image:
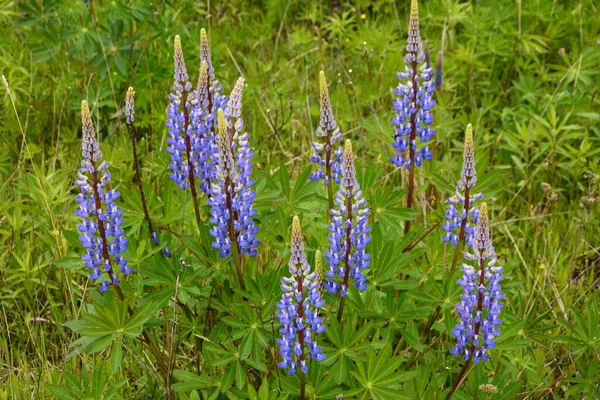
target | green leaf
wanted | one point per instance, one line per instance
(240, 375)
(117, 355)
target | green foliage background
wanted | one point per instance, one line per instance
(523, 72)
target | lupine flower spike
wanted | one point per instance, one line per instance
(298, 310)
(232, 197)
(481, 302)
(349, 233)
(413, 103)
(210, 98)
(183, 122)
(100, 228)
(327, 155)
(130, 118)
(461, 216)
(413, 106)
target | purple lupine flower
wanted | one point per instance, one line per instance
(205, 146)
(327, 155)
(298, 310)
(183, 122)
(457, 225)
(348, 232)
(100, 228)
(129, 112)
(413, 102)
(209, 93)
(481, 303)
(217, 99)
(232, 197)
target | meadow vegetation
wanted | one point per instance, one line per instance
(191, 321)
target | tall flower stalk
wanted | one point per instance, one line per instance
(413, 107)
(183, 122)
(100, 228)
(481, 301)
(130, 118)
(349, 234)
(210, 98)
(232, 195)
(461, 215)
(326, 155)
(298, 312)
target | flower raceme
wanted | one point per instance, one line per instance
(298, 309)
(100, 228)
(210, 99)
(326, 155)
(232, 197)
(348, 232)
(480, 303)
(414, 101)
(457, 225)
(183, 123)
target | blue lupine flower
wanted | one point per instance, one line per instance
(129, 112)
(298, 309)
(183, 123)
(100, 228)
(413, 103)
(476, 332)
(232, 197)
(217, 99)
(457, 225)
(348, 232)
(210, 98)
(326, 155)
(205, 146)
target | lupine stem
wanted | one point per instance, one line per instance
(301, 333)
(302, 386)
(411, 149)
(347, 255)
(234, 246)
(328, 173)
(101, 229)
(138, 176)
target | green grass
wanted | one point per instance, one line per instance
(524, 73)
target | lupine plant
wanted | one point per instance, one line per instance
(460, 222)
(327, 154)
(299, 311)
(232, 197)
(100, 228)
(413, 106)
(348, 234)
(183, 122)
(481, 301)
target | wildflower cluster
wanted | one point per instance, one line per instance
(100, 228)
(348, 232)
(476, 332)
(326, 155)
(298, 309)
(414, 101)
(457, 225)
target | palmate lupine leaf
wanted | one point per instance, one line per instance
(378, 376)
